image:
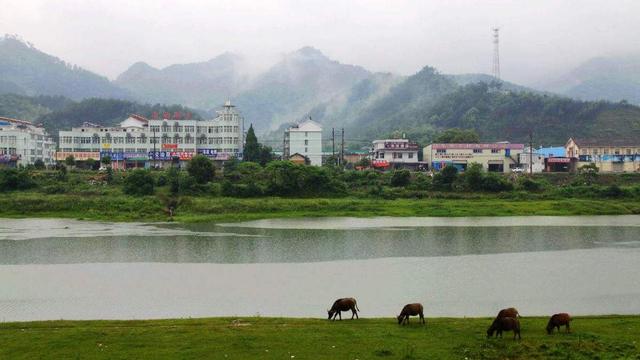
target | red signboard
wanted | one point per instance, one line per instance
(169, 146)
(478, 146)
(380, 163)
(562, 160)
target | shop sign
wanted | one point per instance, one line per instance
(169, 146)
(77, 155)
(169, 155)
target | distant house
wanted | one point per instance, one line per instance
(305, 139)
(499, 157)
(609, 155)
(395, 153)
(299, 159)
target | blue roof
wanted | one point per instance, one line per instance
(557, 151)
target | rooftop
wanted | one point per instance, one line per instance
(606, 142)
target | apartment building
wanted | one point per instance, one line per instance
(304, 139)
(23, 143)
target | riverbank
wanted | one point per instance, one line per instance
(116, 207)
(603, 337)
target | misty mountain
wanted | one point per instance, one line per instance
(466, 79)
(203, 85)
(602, 78)
(290, 89)
(28, 71)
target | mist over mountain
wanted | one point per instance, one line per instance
(29, 71)
(601, 78)
(294, 86)
(203, 85)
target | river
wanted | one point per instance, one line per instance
(67, 269)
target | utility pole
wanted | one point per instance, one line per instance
(333, 143)
(342, 149)
(530, 153)
(154, 148)
(496, 53)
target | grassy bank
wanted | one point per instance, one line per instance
(614, 337)
(117, 207)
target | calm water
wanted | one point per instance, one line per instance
(52, 269)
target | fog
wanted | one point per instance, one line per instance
(538, 38)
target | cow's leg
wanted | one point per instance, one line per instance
(340, 314)
(568, 329)
(355, 313)
(422, 318)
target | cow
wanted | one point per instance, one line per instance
(505, 324)
(341, 305)
(558, 320)
(508, 312)
(411, 310)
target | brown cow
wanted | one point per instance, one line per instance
(508, 312)
(505, 324)
(411, 310)
(558, 320)
(341, 305)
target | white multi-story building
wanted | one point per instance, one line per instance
(394, 153)
(141, 141)
(304, 139)
(22, 143)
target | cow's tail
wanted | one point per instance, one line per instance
(357, 309)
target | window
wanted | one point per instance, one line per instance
(410, 155)
(381, 155)
(399, 155)
(306, 134)
(306, 150)
(477, 151)
(306, 142)
(495, 151)
(441, 151)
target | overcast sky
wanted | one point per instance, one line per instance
(539, 38)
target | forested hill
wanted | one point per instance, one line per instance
(498, 114)
(59, 113)
(26, 70)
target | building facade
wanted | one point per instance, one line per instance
(500, 157)
(615, 155)
(394, 153)
(22, 143)
(304, 139)
(139, 141)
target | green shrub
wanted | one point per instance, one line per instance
(138, 183)
(14, 179)
(400, 178)
(496, 183)
(444, 179)
(528, 184)
(201, 169)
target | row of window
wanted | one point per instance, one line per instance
(396, 155)
(164, 139)
(475, 151)
(605, 151)
(191, 129)
(129, 150)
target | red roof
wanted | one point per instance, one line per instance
(23, 122)
(139, 117)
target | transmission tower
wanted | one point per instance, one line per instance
(496, 53)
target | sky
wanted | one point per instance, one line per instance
(538, 39)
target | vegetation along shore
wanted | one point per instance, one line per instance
(601, 337)
(248, 191)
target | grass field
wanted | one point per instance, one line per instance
(608, 337)
(192, 209)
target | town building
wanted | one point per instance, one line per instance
(305, 139)
(160, 141)
(613, 155)
(544, 159)
(23, 143)
(394, 153)
(495, 157)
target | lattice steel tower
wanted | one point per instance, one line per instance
(496, 53)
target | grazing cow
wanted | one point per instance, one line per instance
(411, 310)
(505, 324)
(508, 312)
(558, 320)
(341, 305)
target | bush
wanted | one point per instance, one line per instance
(528, 184)
(201, 169)
(496, 183)
(444, 179)
(400, 178)
(14, 179)
(473, 177)
(613, 191)
(138, 183)
(39, 164)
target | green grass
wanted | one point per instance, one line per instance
(609, 337)
(194, 209)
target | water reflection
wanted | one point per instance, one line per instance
(252, 245)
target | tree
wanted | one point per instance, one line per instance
(445, 178)
(266, 155)
(252, 149)
(589, 173)
(39, 164)
(456, 135)
(201, 169)
(400, 178)
(138, 183)
(90, 163)
(70, 160)
(473, 176)
(106, 160)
